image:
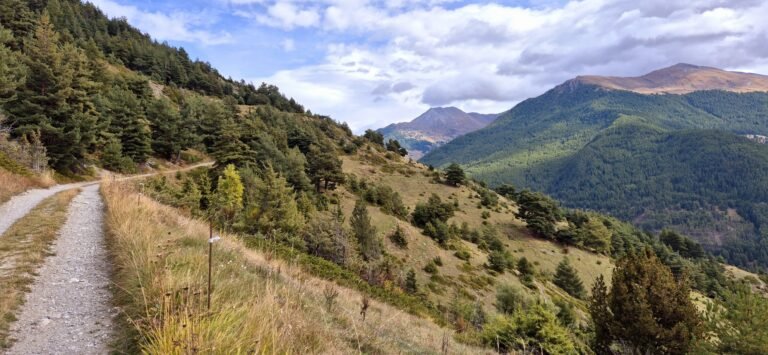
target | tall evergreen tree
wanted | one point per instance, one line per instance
(567, 279)
(136, 137)
(454, 175)
(539, 212)
(12, 70)
(601, 317)
(270, 204)
(370, 246)
(55, 98)
(170, 134)
(227, 200)
(650, 311)
(324, 167)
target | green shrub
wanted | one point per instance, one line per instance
(430, 268)
(463, 255)
(398, 238)
(536, 327)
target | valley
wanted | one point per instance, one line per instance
(677, 160)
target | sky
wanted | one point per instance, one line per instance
(373, 62)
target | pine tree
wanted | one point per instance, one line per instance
(136, 137)
(324, 167)
(370, 247)
(567, 279)
(170, 134)
(539, 212)
(190, 195)
(16, 16)
(112, 157)
(410, 282)
(295, 170)
(271, 204)
(228, 149)
(454, 175)
(601, 317)
(55, 98)
(650, 311)
(12, 70)
(227, 200)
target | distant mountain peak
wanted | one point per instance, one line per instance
(681, 78)
(434, 127)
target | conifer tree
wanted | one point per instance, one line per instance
(601, 316)
(410, 282)
(650, 311)
(227, 200)
(324, 167)
(170, 134)
(228, 149)
(370, 247)
(295, 170)
(454, 175)
(567, 279)
(271, 204)
(136, 137)
(12, 70)
(112, 157)
(190, 195)
(55, 98)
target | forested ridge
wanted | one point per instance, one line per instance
(65, 80)
(658, 160)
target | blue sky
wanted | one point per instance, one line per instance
(374, 62)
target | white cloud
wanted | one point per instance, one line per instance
(176, 26)
(487, 57)
(286, 15)
(388, 60)
(288, 45)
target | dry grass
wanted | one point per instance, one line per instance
(259, 304)
(470, 278)
(12, 184)
(23, 249)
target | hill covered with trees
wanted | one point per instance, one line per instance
(657, 160)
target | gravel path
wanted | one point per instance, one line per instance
(67, 310)
(20, 205)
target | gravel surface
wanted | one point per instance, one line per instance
(67, 310)
(19, 205)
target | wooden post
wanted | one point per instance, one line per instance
(210, 262)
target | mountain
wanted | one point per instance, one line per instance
(679, 160)
(434, 128)
(681, 79)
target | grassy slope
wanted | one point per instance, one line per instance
(259, 303)
(414, 186)
(15, 179)
(23, 249)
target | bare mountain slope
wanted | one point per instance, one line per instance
(680, 79)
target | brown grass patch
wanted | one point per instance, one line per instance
(23, 249)
(13, 184)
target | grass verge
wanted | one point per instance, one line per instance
(259, 304)
(23, 249)
(12, 184)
